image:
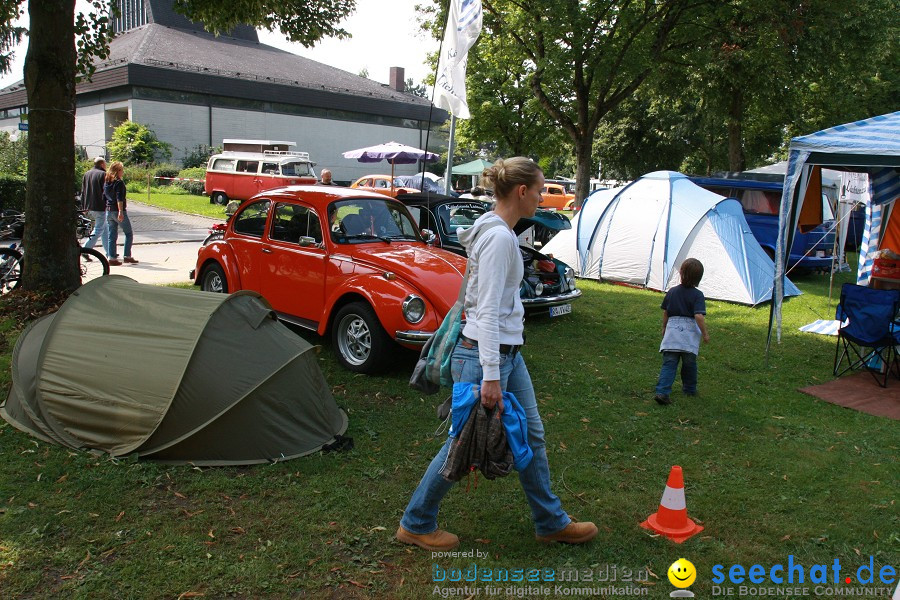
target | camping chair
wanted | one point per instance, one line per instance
(871, 324)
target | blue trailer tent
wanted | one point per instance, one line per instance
(869, 146)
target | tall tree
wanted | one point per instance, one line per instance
(583, 58)
(761, 72)
(58, 41)
(504, 109)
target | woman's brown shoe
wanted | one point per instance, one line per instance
(130, 260)
(435, 541)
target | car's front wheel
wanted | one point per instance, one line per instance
(214, 280)
(362, 344)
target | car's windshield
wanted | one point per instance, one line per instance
(458, 217)
(296, 168)
(358, 220)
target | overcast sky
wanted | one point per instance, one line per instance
(385, 34)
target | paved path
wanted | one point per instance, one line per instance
(165, 243)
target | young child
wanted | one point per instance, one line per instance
(684, 324)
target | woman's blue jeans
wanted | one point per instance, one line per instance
(420, 516)
(670, 366)
(112, 233)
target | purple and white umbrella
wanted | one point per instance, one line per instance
(393, 152)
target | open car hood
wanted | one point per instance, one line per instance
(550, 219)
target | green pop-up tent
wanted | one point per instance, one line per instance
(474, 167)
(172, 375)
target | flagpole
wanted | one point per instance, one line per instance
(451, 146)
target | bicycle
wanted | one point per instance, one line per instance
(92, 264)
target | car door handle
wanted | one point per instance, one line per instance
(267, 251)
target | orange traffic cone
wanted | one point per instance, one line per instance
(671, 520)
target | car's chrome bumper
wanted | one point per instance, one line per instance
(412, 338)
(548, 301)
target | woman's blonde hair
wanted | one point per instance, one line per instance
(115, 171)
(505, 174)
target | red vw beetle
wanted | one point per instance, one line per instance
(336, 260)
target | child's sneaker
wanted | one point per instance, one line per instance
(663, 399)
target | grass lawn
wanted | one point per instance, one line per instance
(769, 472)
(179, 201)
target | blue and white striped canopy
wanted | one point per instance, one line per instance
(869, 146)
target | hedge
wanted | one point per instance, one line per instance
(12, 191)
(193, 187)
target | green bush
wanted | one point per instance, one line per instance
(136, 187)
(13, 154)
(134, 143)
(165, 170)
(137, 173)
(192, 187)
(12, 191)
(81, 167)
(199, 155)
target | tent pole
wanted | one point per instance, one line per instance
(450, 148)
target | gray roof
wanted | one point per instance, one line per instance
(219, 65)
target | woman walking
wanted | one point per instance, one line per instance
(487, 354)
(116, 213)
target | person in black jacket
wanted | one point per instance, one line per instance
(116, 213)
(93, 202)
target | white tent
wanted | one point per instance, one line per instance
(641, 233)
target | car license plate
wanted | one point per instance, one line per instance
(562, 309)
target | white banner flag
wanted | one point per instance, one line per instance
(463, 28)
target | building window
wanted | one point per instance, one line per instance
(131, 15)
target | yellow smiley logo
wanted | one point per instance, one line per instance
(682, 573)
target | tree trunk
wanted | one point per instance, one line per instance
(582, 169)
(736, 160)
(51, 250)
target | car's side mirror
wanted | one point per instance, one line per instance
(428, 235)
(307, 241)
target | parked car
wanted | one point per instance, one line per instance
(556, 196)
(548, 285)
(761, 201)
(381, 184)
(240, 175)
(338, 261)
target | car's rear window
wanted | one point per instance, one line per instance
(459, 217)
(296, 168)
(223, 164)
(760, 202)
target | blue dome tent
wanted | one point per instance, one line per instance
(640, 234)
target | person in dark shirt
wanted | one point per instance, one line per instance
(93, 202)
(684, 325)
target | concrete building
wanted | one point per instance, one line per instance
(193, 88)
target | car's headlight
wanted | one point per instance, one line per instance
(570, 277)
(413, 309)
(538, 288)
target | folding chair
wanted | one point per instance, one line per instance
(871, 332)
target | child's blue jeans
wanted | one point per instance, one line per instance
(670, 366)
